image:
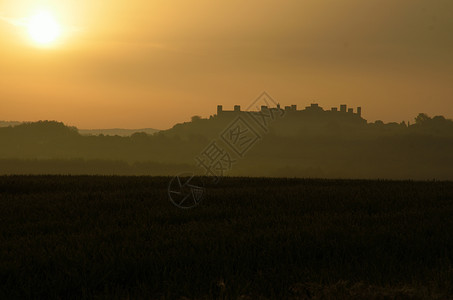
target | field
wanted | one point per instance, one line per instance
(251, 238)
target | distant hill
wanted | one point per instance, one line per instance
(307, 143)
(9, 123)
(116, 131)
(111, 131)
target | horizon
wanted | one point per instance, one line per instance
(224, 109)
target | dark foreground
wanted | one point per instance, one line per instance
(120, 238)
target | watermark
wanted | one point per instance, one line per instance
(186, 190)
(240, 136)
(245, 130)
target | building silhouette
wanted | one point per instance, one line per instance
(312, 112)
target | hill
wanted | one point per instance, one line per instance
(305, 144)
(9, 123)
(117, 131)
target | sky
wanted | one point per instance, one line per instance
(155, 63)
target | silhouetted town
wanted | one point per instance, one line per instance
(313, 108)
(312, 113)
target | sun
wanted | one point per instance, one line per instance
(43, 28)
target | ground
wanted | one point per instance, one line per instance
(250, 238)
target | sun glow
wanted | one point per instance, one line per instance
(43, 28)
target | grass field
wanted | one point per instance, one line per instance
(250, 238)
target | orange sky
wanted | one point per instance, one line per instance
(137, 63)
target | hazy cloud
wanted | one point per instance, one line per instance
(19, 22)
(22, 22)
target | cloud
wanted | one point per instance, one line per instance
(23, 22)
(18, 22)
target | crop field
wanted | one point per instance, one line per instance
(107, 237)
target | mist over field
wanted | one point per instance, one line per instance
(310, 142)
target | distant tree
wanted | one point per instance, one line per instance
(422, 118)
(139, 136)
(196, 118)
(439, 119)
(435, 125)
